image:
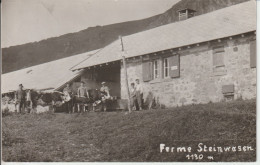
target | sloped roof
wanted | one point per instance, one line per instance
(52, 74)
(229, 21)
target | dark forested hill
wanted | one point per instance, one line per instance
(22, 56)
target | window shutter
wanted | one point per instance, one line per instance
(228, 89)
(174, 64)
(253, 54)
(147, 71)
(218, 56)
(218, 59)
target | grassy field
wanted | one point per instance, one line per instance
(116, 136)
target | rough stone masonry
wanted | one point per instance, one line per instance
(200, 81)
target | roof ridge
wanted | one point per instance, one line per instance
(192, 18)
(86, 58)
(229, 21)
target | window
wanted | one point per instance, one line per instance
(166, 68)
(156, 69)
(161, 68)
(218, 56)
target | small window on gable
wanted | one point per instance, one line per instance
(218, 56)
(166, 68)
(156, 69)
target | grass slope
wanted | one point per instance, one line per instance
(115, 136)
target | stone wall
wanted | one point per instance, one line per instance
(199, 81)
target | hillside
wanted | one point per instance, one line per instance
(135, 137)
(22, 56)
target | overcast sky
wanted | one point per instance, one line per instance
(26, 21)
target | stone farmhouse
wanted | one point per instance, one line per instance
(199, 59)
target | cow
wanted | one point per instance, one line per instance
(34, 99)
(94, 96)
(77, 101)
(99, 99)
(51, 97)
(55, 99)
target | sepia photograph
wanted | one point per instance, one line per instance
(128, 80)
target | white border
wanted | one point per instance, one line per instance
(182, 163)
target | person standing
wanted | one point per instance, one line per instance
(20, 98)
(133, 96)
(68, 94)
(105, 95)
(82, 90)
(83, 95)
(29, 103)
(139, 94)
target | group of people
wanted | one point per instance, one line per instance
(82, 97)
(136, 95)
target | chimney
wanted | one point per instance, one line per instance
(185, 14)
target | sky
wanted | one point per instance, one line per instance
(26, 21)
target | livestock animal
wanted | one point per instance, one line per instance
(94, 95)
(54, 98)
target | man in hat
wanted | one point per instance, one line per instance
(139, 93)
(105, 95)
(20, 98)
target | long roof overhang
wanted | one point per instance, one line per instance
(226, 22)
(48, 76)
